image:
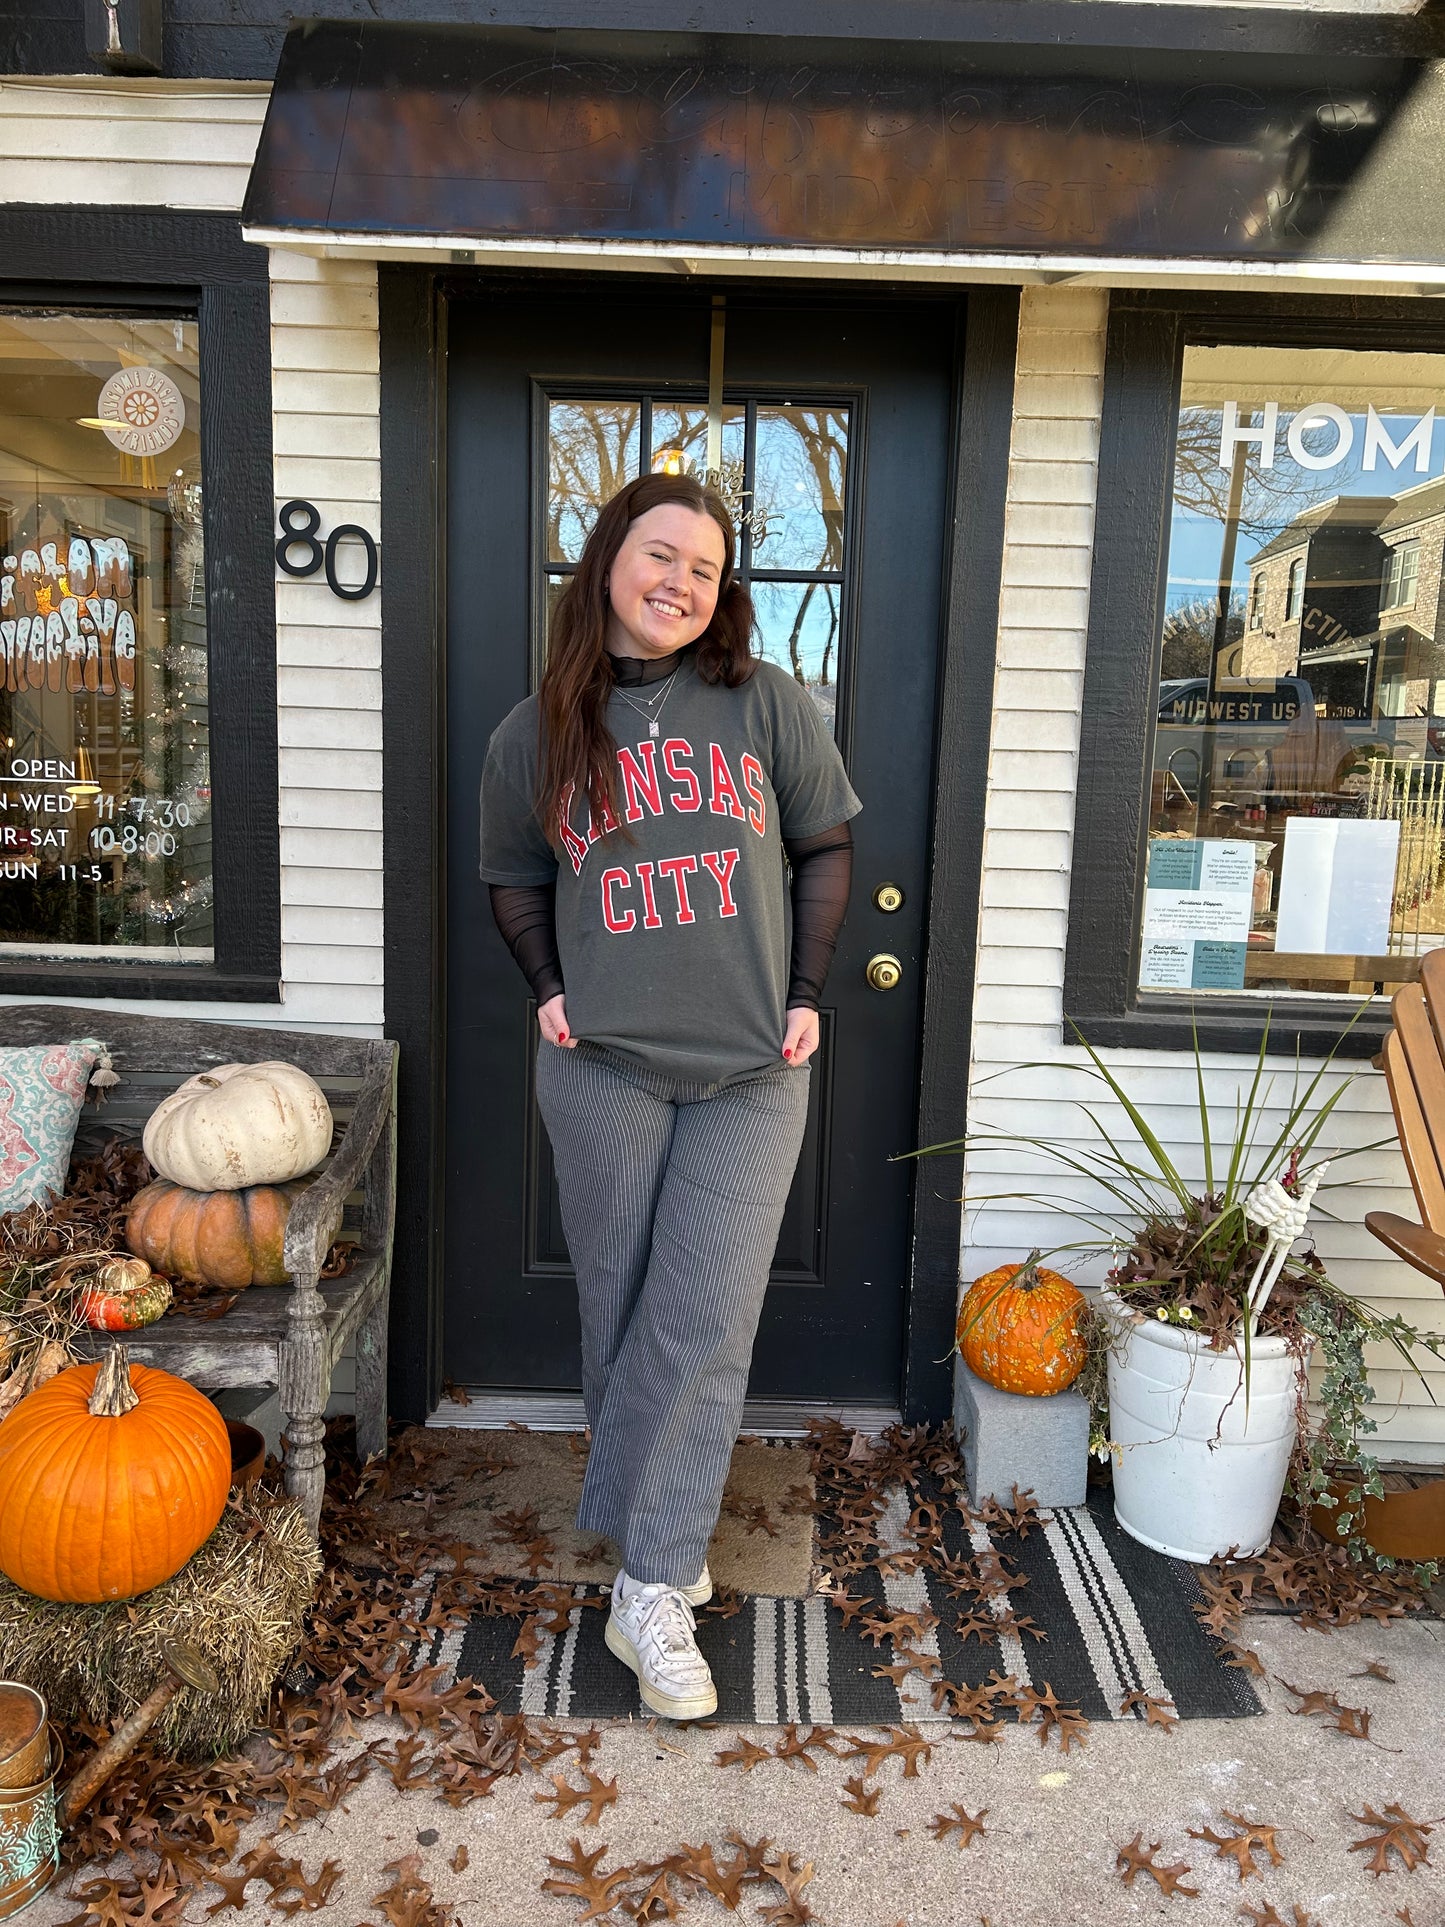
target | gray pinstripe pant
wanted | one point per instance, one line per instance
(672, 1196)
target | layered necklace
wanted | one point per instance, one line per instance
(649, 707)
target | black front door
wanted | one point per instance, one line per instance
(834, 438)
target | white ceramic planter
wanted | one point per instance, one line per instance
(1198, 1468)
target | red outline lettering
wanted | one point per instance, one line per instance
(650, 919)
(571, 842)
(617, 925)
(678, 868)
(683, 747)
(751, 768)
(722, 780)
(636, 780)
(720, 865)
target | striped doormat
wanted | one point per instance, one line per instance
(1098, 1618)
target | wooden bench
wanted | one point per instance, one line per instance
(289, 1336)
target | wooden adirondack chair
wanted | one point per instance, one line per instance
(1411, 1524)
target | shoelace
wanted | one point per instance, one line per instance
(668, 1618)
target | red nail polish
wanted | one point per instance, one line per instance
(787, 1052)
(561, 1037)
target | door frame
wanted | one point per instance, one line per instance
(413, 315)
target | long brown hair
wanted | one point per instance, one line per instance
(575, 746)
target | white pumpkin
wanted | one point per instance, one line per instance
(240, 1124)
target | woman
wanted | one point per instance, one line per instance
(635, 816)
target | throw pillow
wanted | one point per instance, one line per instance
(42, 1087)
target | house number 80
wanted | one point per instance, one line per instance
(299, 522)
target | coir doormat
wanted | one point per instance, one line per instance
(998, 1622)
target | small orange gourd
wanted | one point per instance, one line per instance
(111, 1476)
(1019, 1328)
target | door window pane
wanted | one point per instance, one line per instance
(783, 474)
(798, 629)
(105, 799)
(802, 464)
(593, 447)
(1297, 822)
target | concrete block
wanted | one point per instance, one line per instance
(1038, 1444)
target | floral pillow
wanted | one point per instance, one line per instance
(42, 1087)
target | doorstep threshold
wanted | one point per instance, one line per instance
(778, 1418)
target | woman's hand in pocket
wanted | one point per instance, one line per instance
(800, 1034)
(552, 1022)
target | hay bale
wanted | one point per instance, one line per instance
(241, 1600)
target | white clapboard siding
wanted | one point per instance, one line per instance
(183, 145)
(1023, 1080)
(131, 143)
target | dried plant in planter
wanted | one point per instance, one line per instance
(1217, 1256)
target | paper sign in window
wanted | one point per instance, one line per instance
(1337, 885)
(1197, 906)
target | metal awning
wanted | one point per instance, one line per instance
(897, 159)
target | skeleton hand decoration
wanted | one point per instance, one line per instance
(1282, 1219)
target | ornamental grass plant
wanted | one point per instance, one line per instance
(1186, 1247)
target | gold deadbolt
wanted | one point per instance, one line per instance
(888, 896)
(884, 971)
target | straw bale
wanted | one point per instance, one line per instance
(241, 1600)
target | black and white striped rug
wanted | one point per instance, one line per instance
(1115, 1619)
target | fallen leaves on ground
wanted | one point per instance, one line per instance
(596, 1795)
(1352, 1721)
(652, 1890)
(1241, 1846)
(859, 1797)
(1155, 1711)
(1392, 1832)
(1268, 1915)
(968, 1826)
(1137, 1858)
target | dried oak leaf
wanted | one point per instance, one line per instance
(1136, 1858)
(597, 1795)
(1043, 1705)
(460, 1859)
(968, 1826)
(744, 1753)
(1268, 1915)
(1157, 1712)
(1240, 1847)
(1392, 1831)
(859, 1797)
(904, 1743)
(1375, 1669)
(578, 1878)
(792, 1875)
(307, 1895)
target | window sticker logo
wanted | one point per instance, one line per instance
(141, 411)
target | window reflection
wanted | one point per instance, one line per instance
(783, 472)
(105, 792)
(1297, 825)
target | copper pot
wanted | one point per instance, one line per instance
(248, 1453)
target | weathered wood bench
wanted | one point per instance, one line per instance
(289, 1336)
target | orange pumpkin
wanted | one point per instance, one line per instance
(1019, 1328)
(111, 1476)
(230, 1239)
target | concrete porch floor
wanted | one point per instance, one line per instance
(1053, 1826)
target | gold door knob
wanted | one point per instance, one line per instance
(888, 896)
(884, 971)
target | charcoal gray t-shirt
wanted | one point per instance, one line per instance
(674, 947)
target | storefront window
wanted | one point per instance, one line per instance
(105, 812)
(1297, 815)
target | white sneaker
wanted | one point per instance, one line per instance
(699, 1593)
(651, 1630)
